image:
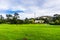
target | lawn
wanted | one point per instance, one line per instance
(29, 32)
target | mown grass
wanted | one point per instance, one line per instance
(29, 32)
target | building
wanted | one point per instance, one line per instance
(39, 21)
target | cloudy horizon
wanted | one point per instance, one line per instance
(27, 8)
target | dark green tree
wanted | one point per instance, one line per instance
(1, 19)
(56, 19)
(15, 18)
(26, 21)
(9, 18)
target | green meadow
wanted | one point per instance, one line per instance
(29, 32)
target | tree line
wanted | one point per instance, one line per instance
(14, 19)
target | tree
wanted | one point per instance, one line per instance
(46, 19)
(31, 20)
(15, 17)
(26, 21)
(1, 19)
(56, 19)
(20, 21)
(9, 18)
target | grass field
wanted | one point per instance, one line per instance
(29, 32)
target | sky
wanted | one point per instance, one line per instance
(27, 8)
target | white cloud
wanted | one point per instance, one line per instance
(40, 7)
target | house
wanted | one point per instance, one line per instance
(39, 21)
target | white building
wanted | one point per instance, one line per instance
(39, 21)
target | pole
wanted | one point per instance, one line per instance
(34, 15)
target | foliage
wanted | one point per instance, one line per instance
(15, 19)
(56, 19)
